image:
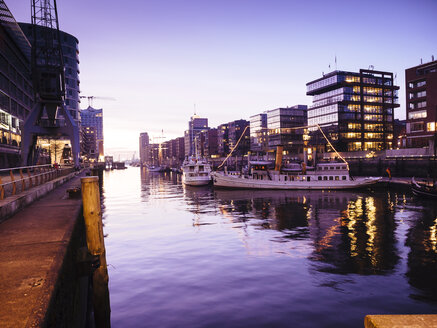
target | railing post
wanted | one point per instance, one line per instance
(23, 183)
(30, 178)
(92, 213)
(14, 186)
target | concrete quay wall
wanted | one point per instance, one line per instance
(422, 168)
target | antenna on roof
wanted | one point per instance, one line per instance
(371, 67)
(194, 109)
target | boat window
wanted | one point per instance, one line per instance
(325, 168)
(261, 177)
(292, 178)
(331, 178)
(343, 177)
(331, 167)
(337, 177)
(308, 178)
(285, 178)
(338, 168)
(201, 168)
(325, 178)
(319, 178)
(191, 168)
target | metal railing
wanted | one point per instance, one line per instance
(28, 177)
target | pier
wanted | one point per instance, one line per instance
(45, 269)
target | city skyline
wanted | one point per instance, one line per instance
(233, 60)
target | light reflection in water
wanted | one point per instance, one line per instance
(203, 257)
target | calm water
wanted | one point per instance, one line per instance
(199, 257)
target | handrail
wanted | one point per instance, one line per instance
(40, 174)
(25, 167)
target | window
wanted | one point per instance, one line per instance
(417, 114)
(343, 177)
(419, 126)
(319, 178)
(337, 178)
(331, 178)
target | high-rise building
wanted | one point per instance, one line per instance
(196, 125)
(286, 128)
(16, 94)
(211, 145)
(356, 109)
(144, 148)
(92, 117)
(421, 93)
(223, 139)
(235, 131)
(70, 53)
(258, 133)
(89, 148)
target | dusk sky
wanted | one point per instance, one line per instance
(232, 59)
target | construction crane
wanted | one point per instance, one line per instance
(91, 98)
(47, 67)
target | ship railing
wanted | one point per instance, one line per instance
(16, 180)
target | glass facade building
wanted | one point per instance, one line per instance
(258, 133)
(286, 128)
(70, 52)
(356, 109)
(196, 125)
(16, 93)
(92, 117)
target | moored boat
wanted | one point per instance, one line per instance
(196, 172)
(423, 189)
(153, 168)
(322, 176)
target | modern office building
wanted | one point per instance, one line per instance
(16, 94)
(286, 128)
(356, 109)
(258, 133)
(223, 140)
(144, 148)
(421, 94)
(196, 125)
(235, 131)
(70, 52)
(211, 144)
(89, 146)
(92, 117)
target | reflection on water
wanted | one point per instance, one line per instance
(197, 256)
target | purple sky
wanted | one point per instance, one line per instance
(232, 59)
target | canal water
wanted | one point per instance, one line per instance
(199, 257)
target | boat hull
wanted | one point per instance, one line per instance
(196, 181)
(241, 182)
(423, 190)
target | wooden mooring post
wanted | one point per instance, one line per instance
(96, 246)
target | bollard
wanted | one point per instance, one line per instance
(96, 246)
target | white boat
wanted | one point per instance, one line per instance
(323, 176)
(196, 172)
(153, 168)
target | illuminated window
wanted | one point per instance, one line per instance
(430, 126)
(417, 114)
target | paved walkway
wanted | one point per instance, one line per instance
(32, 246)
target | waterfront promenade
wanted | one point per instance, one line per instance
(33, 253)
